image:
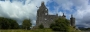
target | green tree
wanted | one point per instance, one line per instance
(26, 24)
(6, 23)
(41, 26)
(61, 24)
(13, 24)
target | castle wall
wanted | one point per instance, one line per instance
(44, 18)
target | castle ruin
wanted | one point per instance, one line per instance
(44, 18)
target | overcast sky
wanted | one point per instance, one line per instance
(22, 9)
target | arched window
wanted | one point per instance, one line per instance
(45, 19)
(45, 13)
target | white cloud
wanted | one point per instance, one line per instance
(65, 4)
(82, 13)
(18, 11)
(60, 13)
(82, 10)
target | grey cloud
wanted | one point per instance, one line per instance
(85, 21)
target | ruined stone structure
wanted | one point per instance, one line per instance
(44, 18)
(72, 21)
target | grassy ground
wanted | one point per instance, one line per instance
(20, 30)
(74, 30)
(34, 30)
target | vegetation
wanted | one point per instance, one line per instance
(85, 29)
(26, 24)
(71, 29)
(6, 23)
(21, 30)
(60, 24)
(41, 26)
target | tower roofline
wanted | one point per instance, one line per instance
(72, 16)
(42, 1)
(64, 15)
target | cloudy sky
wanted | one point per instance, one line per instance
(22, 9)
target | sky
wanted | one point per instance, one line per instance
(27, 9)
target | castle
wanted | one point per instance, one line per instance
(44, 18)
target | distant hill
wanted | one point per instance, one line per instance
(81, 27)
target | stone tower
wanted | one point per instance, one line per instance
(72, 21)
(43, 17)
(63, 16)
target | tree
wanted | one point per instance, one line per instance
(13, 24)
(61, 24)
(6, 23)
(41, 26)
(26, 24)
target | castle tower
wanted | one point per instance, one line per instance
(72, 21)
(42, 11)
(43, 17)
(63, 16)
(41, 14)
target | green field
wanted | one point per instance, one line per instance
(34, 30)
(21, 30)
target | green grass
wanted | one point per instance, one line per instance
(73, 30)
(21, 30)
(35, 30)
